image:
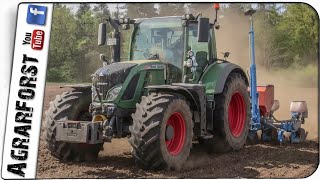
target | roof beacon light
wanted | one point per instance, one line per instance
(216, 6)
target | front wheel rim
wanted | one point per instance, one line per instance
(176, 143)
(237, 114)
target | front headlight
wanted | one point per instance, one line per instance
(113, 93)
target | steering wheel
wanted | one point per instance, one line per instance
(146, 53)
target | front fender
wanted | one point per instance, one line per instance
(78, 87)
(216, 75)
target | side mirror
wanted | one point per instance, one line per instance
(102, 34)
(203, 29)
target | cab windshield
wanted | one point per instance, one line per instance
(159, 38)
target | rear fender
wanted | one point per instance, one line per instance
(179, 90)
(216, 75)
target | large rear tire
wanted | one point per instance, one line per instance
(74, 106)
(161, 134)
(231, 116)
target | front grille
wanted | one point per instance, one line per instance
(111, 75)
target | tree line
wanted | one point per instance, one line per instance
(286, 34)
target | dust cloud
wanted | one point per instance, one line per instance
(233, 37)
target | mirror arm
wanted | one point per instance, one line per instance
(216, 18)
(114, 24)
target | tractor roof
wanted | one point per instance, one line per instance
(138, 20)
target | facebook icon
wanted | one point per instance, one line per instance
(36, 14)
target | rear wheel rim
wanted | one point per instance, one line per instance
(176, 143)
(237, 114)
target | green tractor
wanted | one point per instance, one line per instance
(172, 92)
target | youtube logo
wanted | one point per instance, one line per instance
(35, 39)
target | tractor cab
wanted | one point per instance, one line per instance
(185, 44)
(158, 39)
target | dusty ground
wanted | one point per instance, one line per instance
(257, 161)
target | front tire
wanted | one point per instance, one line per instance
(70, 106)
(161, 134)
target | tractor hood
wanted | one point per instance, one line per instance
(109, 76)
(139, 62)
(114, 68)
(147, 64)
(122, 68)
(110, 79)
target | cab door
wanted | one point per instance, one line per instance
(201, 51)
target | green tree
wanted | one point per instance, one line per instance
(101, 12)
(299, 28)
(85, 34)
(62, 45)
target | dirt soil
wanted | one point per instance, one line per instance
(254, 161)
